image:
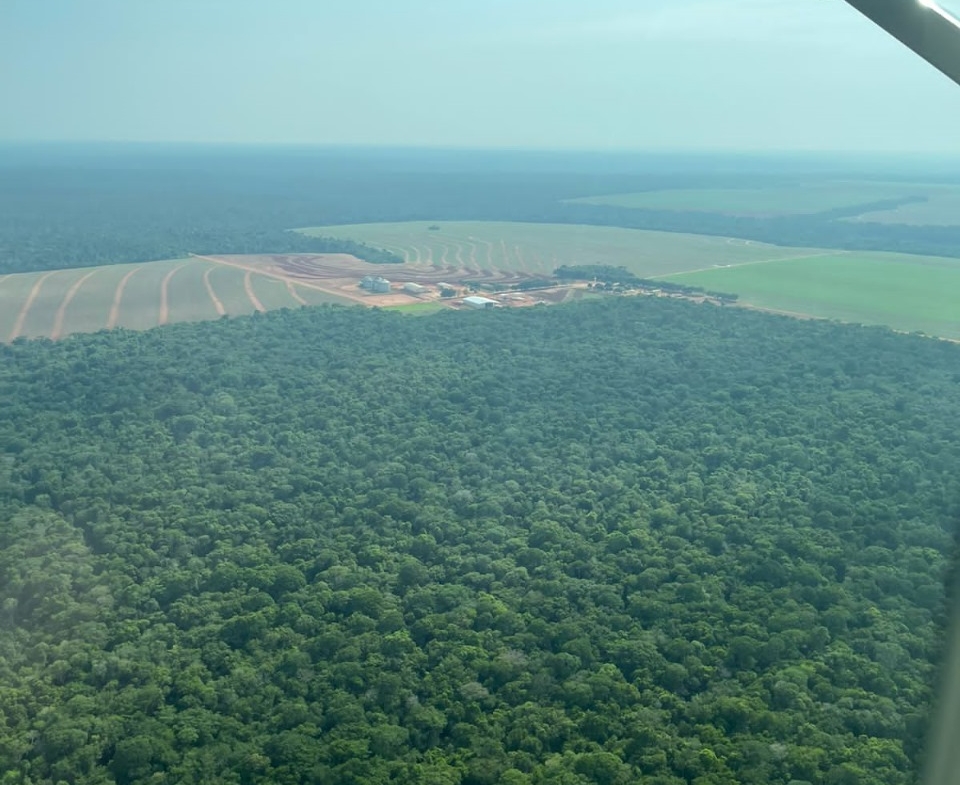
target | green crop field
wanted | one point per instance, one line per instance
(942, 208)
(137, 296)
(910, 293)
(779, 200)
(541, 248)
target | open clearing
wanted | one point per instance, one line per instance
(905, 292)
(942, 208)
(483, 248)
(772, 201)
(139, 296)
(910, 293)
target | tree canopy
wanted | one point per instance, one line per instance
(629, 541)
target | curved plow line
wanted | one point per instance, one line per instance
(295, 294)
(400, 250)
(22, 316)
(506, 254)
(164, 294)
(213, 295)
(520, 259)
(473, 254)
(538, 261)
(443, 257)
(472, 264)
(62, 310)
(117, 297)
(278, 277)
(252, 295)
(429, 256)
(458, 255)
(489, 246)
(411, 255)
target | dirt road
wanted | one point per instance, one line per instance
(252, 295)
(62, 310)
(164, 295)
(295, 294)
(22, 316)
(282, 277)
(117, 298)
(213, 295)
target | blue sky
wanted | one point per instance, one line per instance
(590, 74)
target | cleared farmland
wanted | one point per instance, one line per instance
(910, 293)
(769, 201)
(901, 291)
(942, 208)
(540, 248)
(139, 296)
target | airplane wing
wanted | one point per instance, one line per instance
(924, 26)
(932, 32)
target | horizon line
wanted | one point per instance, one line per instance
(447, 148)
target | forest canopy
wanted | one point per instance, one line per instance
(630, 541)
(63, 207)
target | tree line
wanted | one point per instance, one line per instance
(102, 210)
(618, 277)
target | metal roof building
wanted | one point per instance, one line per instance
(376, 285)
(479, 302)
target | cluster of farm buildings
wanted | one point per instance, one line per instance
(450, 292)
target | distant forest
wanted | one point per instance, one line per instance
(631, 541)
(103, 209)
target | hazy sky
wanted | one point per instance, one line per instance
(598, 74)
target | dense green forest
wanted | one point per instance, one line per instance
(99, 206)
(631, 541)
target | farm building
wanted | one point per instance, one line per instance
(414, 288)
(479, 302)
(376, 285)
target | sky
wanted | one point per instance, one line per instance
(726, 75)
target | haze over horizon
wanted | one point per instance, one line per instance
(725, 75)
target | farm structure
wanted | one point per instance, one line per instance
(480, 302)
(376, 284)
